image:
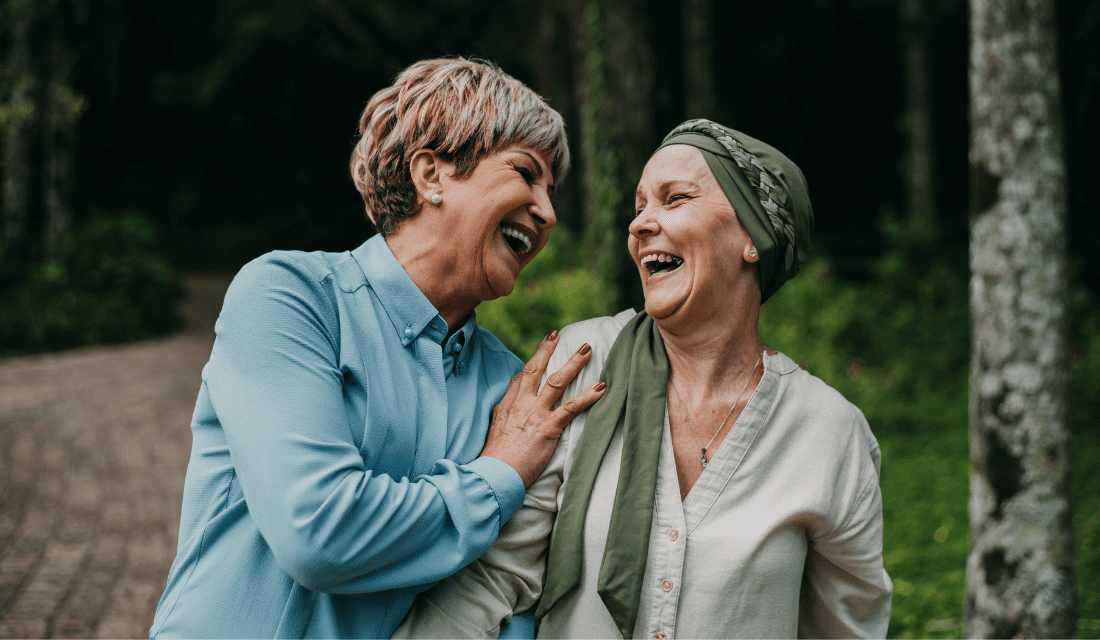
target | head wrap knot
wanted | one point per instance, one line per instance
(767, 191)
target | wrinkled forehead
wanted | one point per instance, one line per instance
(676, 163)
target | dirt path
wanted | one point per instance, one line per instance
(93, 449)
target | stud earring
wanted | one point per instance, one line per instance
(436, 198)
(752, 253)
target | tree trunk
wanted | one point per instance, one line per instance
(630, 100)
(920, 186)
(1020, 569)
(699, 99)
(551, 55)
(16, 128)
(601, 179)
(63, 109)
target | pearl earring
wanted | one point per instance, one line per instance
(752, 253)
(436, 198)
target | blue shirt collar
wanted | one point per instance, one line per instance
(406, 306)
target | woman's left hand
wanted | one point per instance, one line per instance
(525, 427)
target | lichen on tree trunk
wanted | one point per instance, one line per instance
(1020, 569)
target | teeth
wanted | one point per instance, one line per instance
(661, 257)
(651, 261)
(518, 235)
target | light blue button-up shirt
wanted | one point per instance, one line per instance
(334, 470)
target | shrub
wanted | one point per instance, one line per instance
(109, 286)
(553, 291)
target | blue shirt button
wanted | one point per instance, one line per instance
(456, 347)
(408, 333)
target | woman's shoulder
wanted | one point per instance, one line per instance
(599, 332)
(815, 401)
(283, 284)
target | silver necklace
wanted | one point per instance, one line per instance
(728, 413)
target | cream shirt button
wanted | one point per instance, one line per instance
(673, 534)
(666, 585)
(659, 636)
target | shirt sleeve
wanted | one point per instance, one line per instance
(507, 579)
(846, 592)
(333, 525)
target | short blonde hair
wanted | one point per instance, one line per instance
(461, 109)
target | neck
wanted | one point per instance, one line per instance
(432, 266)
(714, 352)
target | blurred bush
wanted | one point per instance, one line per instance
(110, 286)
(551, 292)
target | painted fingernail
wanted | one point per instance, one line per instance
(585, 349)
(553, 335)
(600, 386)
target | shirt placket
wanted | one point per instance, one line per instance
(432, 398)
(668, 538)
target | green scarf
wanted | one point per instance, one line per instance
(636, 373)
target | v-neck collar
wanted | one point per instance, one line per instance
(726, 459)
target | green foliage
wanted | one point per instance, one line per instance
(603, 236)
(109, 286)
(1085, 418)
(553, 291)
(898, 348)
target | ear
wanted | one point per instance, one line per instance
(427, 171)
(750, 253)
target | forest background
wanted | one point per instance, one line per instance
(142, 140)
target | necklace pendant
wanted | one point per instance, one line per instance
(704, 460)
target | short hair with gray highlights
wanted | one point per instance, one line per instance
(462, 110)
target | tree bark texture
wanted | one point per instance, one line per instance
(1020, 569)
(16, 127)
(699, 101)
(62, 111)
(919, 182)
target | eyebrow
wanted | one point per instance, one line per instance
(671, 184)
(538, 165)
(538, 168)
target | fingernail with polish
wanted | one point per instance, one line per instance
(600, 386)
(585, 348)
(553, 335)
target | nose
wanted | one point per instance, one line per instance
(543, 211)
(643, 224)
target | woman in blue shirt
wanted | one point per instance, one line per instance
(343, 458)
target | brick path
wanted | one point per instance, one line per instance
(93, 450)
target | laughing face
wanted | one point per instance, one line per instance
(691, 251)
(501, 218)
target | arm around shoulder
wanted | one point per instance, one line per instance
(508, 578)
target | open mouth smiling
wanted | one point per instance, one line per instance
(516, 239)
(658, 262)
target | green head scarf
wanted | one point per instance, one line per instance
(768, 193)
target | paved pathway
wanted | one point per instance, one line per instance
(93, 450)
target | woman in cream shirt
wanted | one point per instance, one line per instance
(718, 489)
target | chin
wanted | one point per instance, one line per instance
(659, 309)
(500, 287)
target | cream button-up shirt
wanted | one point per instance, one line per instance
(781, 536)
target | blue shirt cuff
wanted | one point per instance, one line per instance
(504, 481)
